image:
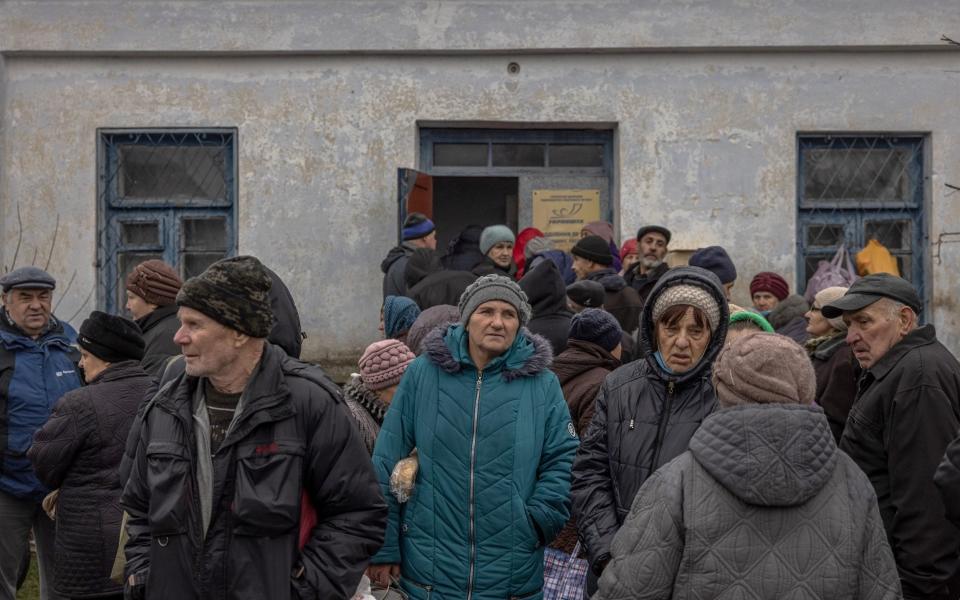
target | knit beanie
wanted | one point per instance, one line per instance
(155, 281)
(716, 260)
(493, 235)
(234, 292)
(383, 364)
(597, 327)
(537, 245)
(417, 226)
(629, 247)
(494, 287)
(593, 248)
(399, 313)
(691, 295)
(600, 228)
(440, 315)
(111, 338)
(749, 315)
(763, 368)
(587, 293)
(770, 282)
(827, 296)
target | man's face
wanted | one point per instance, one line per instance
(29, 308)
(427, 241)
(138, 307)
(501, 254)
(652, 248)
(682, 344)
(208, 347)
(583, 267)
(765, 301)
(872, 331)
(493, 327)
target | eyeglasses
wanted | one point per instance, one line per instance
(815, 309)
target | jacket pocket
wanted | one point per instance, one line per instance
(169, 482)
(530, 538)
(420, 590)
(267, 493)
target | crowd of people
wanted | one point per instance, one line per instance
(532, 423)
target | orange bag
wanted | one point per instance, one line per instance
(875, 258)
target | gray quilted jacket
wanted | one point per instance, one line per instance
(763, 505)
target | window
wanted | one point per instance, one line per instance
(167, 195)
(494, 151)
(852, 189)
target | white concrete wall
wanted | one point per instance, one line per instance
(706, 141)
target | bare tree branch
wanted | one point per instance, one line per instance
(949, 41)
(53, 243)
(65, 290)
(16, 252)
(82, 306)
(36, 251)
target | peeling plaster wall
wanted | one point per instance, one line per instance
(706, 142)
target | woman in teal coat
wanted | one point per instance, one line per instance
(495, 446)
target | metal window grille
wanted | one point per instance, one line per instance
(169, 195)
(854, 188)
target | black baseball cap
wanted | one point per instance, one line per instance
(867, 290)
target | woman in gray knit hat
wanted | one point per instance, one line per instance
(495, 444)
(762, 505)
(647, 410)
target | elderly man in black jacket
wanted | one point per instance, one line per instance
(248, 478)
(906, 412)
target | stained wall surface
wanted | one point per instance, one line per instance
(706, 99)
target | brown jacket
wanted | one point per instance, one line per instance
(581, 369)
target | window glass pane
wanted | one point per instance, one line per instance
(208, 233)
(172, 173)
(518, 155)
(195, 263)
(905, 264)
(845, 175)
(140, 233)
(460, 155)
(126, 261)
(576, 155)
(895, 235)
(825, 235)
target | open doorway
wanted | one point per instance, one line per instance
(462, 201)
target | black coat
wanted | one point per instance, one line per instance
(287, 331)
(428, 284)
(906, 413)
(643, 419)
(620, 300)
(158, 329)
(293, 441)
(947, 480)
(78, 450)
(463, 252)
(837, 372)
(644, 284)
(548, 298)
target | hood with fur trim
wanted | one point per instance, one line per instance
(529, 355)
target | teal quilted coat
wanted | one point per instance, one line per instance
(495, 454)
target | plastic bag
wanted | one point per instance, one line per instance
(875, 258)
(837, 272)
(404, 476)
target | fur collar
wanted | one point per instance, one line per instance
(439, 353)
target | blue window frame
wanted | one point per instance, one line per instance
(165, 194)
(854, 188)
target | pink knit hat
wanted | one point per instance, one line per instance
(383, 364)
(763, 368)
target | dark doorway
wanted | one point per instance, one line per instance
(462, 201)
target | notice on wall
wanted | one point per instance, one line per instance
(561, 214)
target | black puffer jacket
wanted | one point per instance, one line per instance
(78, 451)
(292, 441)
(158, 329)
(287, 331)
(548, 297)
(428, 284)
(643, 420)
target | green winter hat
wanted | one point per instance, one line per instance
(747, 315)
(234, 292)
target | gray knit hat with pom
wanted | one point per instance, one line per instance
(494, 287)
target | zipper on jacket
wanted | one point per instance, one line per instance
(662, 425)
(473, 508)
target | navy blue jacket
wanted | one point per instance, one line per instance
(34, 374)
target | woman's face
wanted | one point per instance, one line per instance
(683, 343)
(817, 324)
